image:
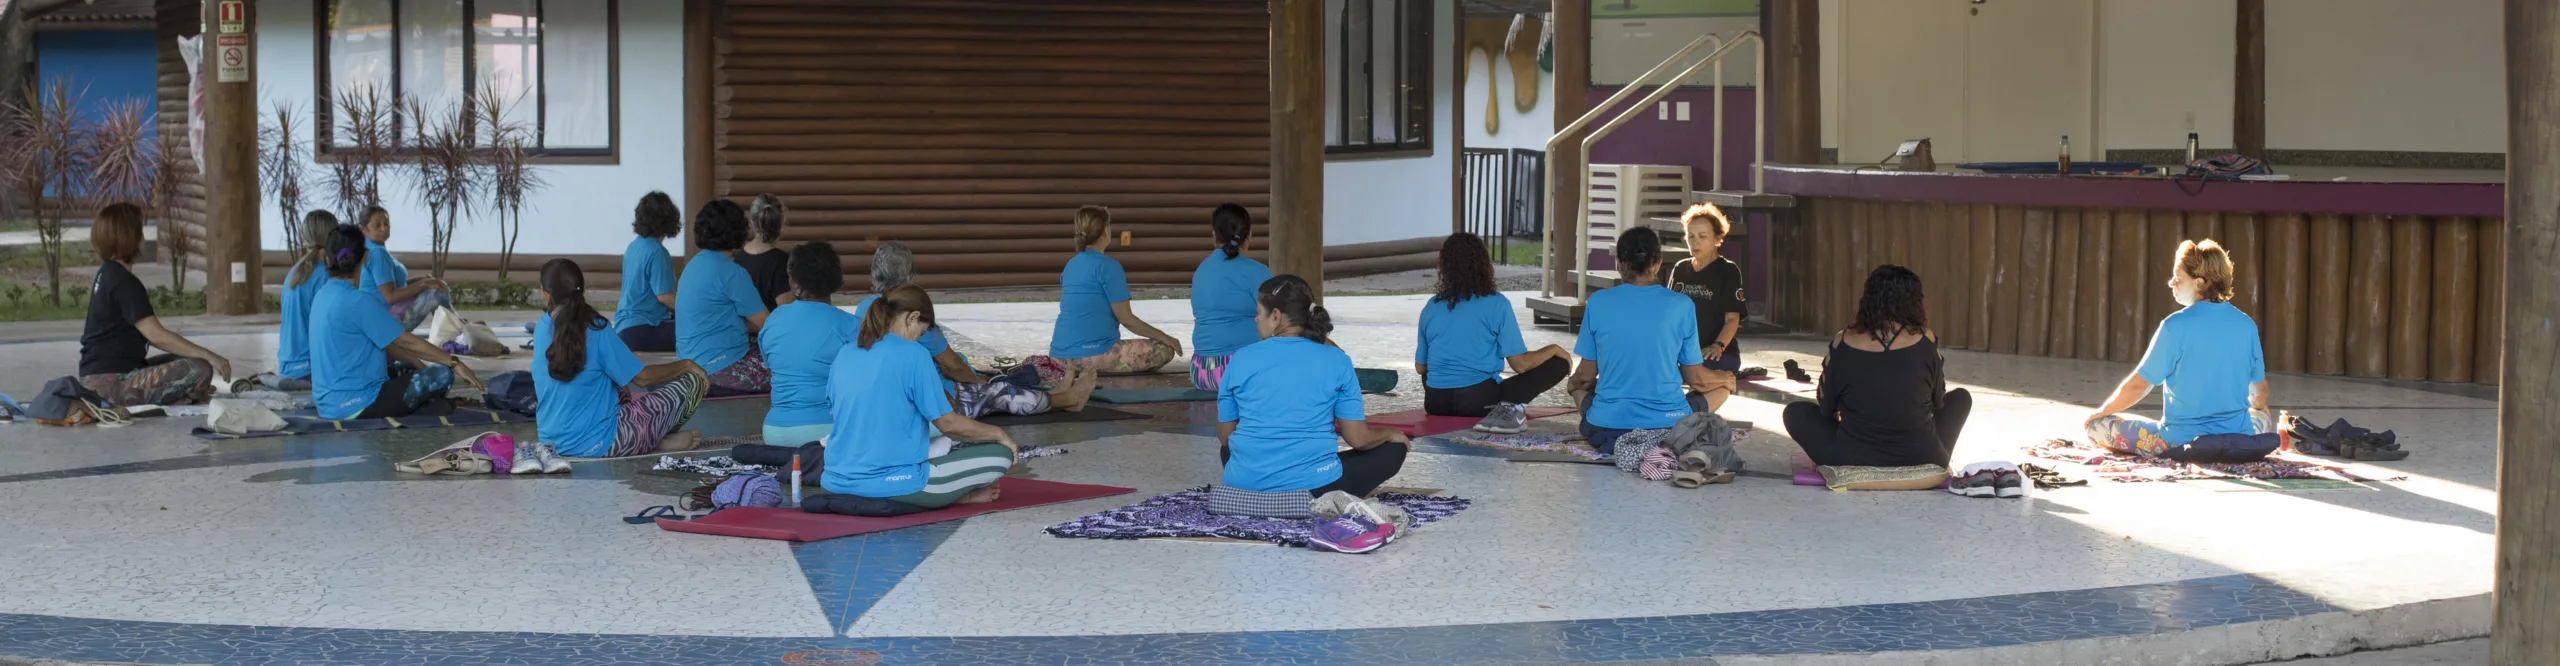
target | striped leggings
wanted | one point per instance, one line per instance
(650, 414)
(952, 475)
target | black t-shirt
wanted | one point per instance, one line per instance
(1887, 400)
(1715, 290)
(109, 344)
(771, 271)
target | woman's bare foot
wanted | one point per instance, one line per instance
(681, 440)
(979, 496)
(1077, 393)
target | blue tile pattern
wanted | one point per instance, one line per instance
(1932, 625)
(848, 575)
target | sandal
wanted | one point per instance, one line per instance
(652, 514)
(1796, 373)
(1693, 479)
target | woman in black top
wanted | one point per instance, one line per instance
(1714, 287)
(122, 326)
(768, 266)
(1883, 393)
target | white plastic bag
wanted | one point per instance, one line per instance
(234, 416)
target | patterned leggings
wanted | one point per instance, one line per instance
(414, 311)
(652, 413)
(2139, 436)
(1207, 371)
(167, 379)
(747, 375)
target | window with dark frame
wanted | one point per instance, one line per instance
(1384, 58)
(555, 61)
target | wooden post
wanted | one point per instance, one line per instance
(1297, 139)
(1572, 91)
(1794, 32)
(698, 153)
(234, 273)
(2249, 81)
(2525, 600)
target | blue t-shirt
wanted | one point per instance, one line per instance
(647, 272)
(349, 329)
(2204, 359)
(580, 417)
(883, 398)
(1086, 327)
(713, 301)
(933, 340)
(1283, 395)
(800, 341)
(1222, 303)
(1468, 345)
(1640, 336)
(293, 335)
(380, 268)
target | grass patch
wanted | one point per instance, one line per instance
(28, 302)
(1517, 250)
(31, 257)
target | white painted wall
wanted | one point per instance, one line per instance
(587, 208)
(1901, 76)
(1519, 129)
(2417, 75)
(1371, 200)
(2165, 69)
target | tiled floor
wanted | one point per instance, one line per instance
(143, 544)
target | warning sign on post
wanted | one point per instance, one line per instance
(233, 17)
(231, 58)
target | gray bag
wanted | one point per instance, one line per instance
(1704, 432)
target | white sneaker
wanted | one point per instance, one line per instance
(528, 458)
(552, 463)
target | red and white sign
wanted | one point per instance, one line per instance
(231, 58)
(232, 17)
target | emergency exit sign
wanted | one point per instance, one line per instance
(233, 17)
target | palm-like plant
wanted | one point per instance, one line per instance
(126, 165)
(445, 175)
(281, 154)
(165, 180)
(507, 170)
(368, 137)
(46, 145)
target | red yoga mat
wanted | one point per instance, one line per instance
(791, 524)
(1414, 423)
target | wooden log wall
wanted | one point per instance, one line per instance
(185, 228)
(2401, 297)
(972, 130)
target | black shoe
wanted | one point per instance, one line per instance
(1796, 372)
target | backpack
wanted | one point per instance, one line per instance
(2233, 165)
(64, 402)
(512, 391)
(757, 490)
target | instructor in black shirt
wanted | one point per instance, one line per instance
(1713, 285)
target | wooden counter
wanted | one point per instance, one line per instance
(2380, 275)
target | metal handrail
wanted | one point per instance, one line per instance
(1547, 278)
(1759, 141)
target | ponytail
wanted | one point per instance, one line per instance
(1233, 226)
(886, 310)
(571, 318)
(316, 227)
(1290, 296)
(1092, 222)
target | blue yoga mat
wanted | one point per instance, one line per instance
(1140, 396)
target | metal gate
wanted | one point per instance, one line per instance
(1506, 199)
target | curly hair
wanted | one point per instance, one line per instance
(2206, 260)
(815, 271)
(1466, 270)
(720, 226)
(656, 217)
(1892, 302)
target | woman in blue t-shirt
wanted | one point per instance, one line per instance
(800, 341)
(2207, 359)
(363, 364)
(409, 301)
(1468, 335)
(1222, 297)
(302, 282)
(1093, 303)
(718, 309)
(1639, 349)
(645, 318)
(883, 395)
(1285, 399)
(597, 400)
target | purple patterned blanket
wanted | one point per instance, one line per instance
(1186, 514)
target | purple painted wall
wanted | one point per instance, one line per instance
(1648, 138)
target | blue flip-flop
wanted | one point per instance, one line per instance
(652, 514)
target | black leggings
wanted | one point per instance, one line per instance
(1820, 436)
(813, 459)
(393, 400)
(1362, 471)
(650, 338)
(1474, 401)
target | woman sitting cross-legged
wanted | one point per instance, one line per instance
(363, 365)
(122, 326)
(1093, 303)
(1469, 333)
(646, 319)
(409, 301)
(1284, 400)
(717, 308)
(1222, 293)
(1882, 400)
(302, 282)
(884, 393)
(800, 340)
(2207, 360)
(597, 400)
(1639, 349)
(892, 266)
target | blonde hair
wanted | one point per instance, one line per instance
(1092, 222)
(1707, 212)
(2206, 260)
